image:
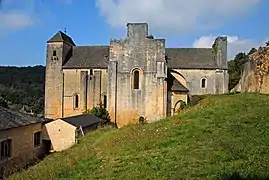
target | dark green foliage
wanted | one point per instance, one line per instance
(100, 112)
(215, 47)
(267, 43)
(3, 102)
(239, 60)
(253, 50)
(23, 86)
(236, 67)
(195, 99)
(234, 74)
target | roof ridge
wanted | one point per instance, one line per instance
(186, 48)
(61, 37)
(94, 46)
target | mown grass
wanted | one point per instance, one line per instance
(223, 137)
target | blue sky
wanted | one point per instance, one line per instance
(26, 25)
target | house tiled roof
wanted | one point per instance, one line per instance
(13, 119)
(190, 58)
(61, 37)
(83, 120)
(88, 57)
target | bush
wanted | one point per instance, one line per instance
(100, 112)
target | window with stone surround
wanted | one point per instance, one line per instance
(136, 79)
(203, 83)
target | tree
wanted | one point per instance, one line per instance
(240, 59)
(253, 50)
(100, 112)
(236, 67)
(267, 43)
(3, 102)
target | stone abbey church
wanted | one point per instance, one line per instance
(133, 77)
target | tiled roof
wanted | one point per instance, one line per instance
(88, 57)
(13, 119)
(177, 86)
(190, 58)
(185, 58)
(83, 120)
(61, 37)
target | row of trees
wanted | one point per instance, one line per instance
(23, 87)
(235, 67)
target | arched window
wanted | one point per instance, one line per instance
(54, 53)
(136, 79)
(76, 101)
(203, 83)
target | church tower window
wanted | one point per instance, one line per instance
(136, 79)
(54, 53)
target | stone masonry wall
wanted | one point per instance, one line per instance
(91, 89)
(54, 79)
(23, 151)
(136, 52)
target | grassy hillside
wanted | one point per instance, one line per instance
(223, 137)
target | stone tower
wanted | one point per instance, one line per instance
(222, 77)
(59, 47)
(137, 73)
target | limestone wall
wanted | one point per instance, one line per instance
(89, 84)
(23, 150)
(61, 134)
(137, 52)
(216, 80)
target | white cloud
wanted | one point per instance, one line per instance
(173, 15)
(235, 44)
(14, 21)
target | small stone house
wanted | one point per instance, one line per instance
(64, 132)
(20, 140)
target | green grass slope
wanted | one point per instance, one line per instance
(223, 137)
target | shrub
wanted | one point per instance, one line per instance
(100, 112)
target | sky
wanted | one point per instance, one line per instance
(26, 25)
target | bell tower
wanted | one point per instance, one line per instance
(59, 48)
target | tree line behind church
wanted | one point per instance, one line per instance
(22, 88)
